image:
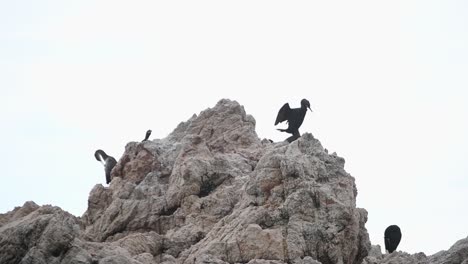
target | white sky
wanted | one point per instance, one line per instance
(387, 80)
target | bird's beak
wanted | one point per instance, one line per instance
(310, 109)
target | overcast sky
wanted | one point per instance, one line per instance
(387, 80)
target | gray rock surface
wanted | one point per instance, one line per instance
(457, 254)
(210, 192)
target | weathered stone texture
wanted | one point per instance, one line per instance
(210, 192)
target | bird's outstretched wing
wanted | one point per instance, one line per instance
(283, 114)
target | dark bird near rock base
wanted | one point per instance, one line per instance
(148, 134)
(108, 162)
(392, 238)
(294, 117)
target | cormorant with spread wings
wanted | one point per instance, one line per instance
(294, 117)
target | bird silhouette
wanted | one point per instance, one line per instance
(108, 162)
(148, 134)
(392, 238)
(294, 117)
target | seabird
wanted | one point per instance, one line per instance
(392, 238)
(148, 134)
(294, 117)
(108, 162)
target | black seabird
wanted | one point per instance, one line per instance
(108, 162)
(148, 134)
(294, 117)
(392, 238)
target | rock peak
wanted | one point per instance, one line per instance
(225, 123)
(210, 192)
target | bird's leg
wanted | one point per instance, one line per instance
(295, 136)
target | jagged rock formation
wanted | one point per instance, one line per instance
(211, 192)
(457, 254)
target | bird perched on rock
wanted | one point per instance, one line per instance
(108, 162)
(294, 117)
(148, 134)
(392, 238)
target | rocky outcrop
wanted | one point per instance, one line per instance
(210, 192)
(457, 254)
(37, 233)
